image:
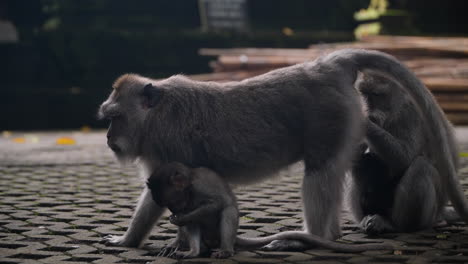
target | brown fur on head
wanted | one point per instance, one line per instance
(126, 108)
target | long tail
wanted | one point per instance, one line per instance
(312, 240)
(354, 60)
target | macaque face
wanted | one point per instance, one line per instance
(126, 109)
(384, 97)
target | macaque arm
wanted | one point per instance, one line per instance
(144, 217)
(207, 207)
(392, 150)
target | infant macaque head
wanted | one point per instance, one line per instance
(170, 186)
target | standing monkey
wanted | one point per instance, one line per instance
(403, 182)
(250, 129)
(205, 209)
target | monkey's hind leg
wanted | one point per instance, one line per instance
(322, 193)
(194, 239)
(416, 203)
(228, 231)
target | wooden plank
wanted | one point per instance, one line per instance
(454, 106)
(457, 118)
(452, 97)
(446, 84)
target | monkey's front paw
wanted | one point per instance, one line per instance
(176, 220)
(112, 240)
(222, 254)
(285, 245)
(374, 225)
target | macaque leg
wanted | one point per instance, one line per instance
(229, 224)
(180, 242)
(194, 240)
(415, 203)
(145, 216)
(322, 193)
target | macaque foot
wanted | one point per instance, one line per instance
(168, 251)
(285, 245)
(222, 254)
(113, 240)
(375, 225)
(184, 254)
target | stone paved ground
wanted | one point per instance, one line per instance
(57, 201)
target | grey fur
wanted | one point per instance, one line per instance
(403, 182)
(247, 130)
(203, 206)
(206, 210)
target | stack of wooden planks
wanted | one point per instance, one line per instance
(441, 63)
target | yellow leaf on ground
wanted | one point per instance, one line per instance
(441, 236)
(19, 140)
(66, 141)
(463, 154)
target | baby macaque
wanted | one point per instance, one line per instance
(202, 205)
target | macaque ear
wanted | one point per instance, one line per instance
(181, 181)
(151, 95)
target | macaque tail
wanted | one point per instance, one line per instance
(312, 240)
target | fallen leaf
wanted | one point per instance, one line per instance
(65, 141)
(441, 236)
(397, 252)
(19, 140)
(463, 154)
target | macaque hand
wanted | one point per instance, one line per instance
(176, 220)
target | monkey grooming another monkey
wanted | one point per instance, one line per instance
(205, 209)
(403, 182)
(248, 130)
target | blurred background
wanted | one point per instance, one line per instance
(58, 58)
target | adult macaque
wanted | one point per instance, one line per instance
(250, 129)
(205, 209)
(403, 181)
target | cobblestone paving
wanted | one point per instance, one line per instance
(58, 201)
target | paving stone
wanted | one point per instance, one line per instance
(57, 202)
